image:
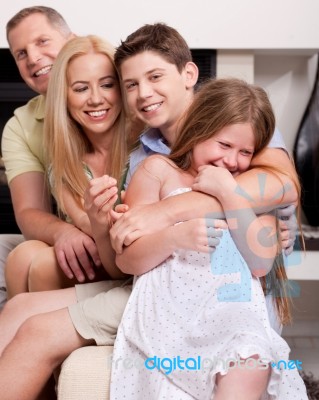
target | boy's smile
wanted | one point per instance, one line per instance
(152, 107)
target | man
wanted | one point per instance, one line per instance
(35, 36)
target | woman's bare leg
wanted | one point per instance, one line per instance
(23, 306)
(40, 345)
(46, 274)
(17, 266)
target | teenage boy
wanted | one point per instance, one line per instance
(158, 79)
(159, 89)
(35, 36)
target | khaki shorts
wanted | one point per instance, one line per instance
(99, 309)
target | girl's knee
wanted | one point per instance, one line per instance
(247, 381)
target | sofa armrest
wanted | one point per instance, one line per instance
(85, 374)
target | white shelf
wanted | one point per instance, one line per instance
(303, 265)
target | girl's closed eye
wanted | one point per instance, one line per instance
(224, 145)
(247, 153)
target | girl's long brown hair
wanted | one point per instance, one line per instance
(220, 103)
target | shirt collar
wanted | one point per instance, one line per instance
(40, 108)
(153, 141)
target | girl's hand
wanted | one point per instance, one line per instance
(199, 234)
(213, 180)
(119, 210)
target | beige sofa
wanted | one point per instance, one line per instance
(85, 374)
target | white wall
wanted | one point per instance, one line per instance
(236, 27)
(224, 24)
(289, 81)
(287, 78)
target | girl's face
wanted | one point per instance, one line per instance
(93, 96)
(231, 148)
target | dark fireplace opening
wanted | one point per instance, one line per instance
(14, 93)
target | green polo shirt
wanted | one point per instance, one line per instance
(22, 148)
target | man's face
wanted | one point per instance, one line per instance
(157, 93)
(35, 44)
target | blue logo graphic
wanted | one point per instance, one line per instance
(227, 260)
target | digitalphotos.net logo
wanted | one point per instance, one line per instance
(168, 365)
(198, 363)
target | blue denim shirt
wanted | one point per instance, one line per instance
(151, 142)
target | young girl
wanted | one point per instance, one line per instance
(85, 125)
(196, 325)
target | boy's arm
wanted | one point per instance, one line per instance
(254, 236)
(145, 219)
(145, 253)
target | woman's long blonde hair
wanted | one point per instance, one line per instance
(217, 104)
(65, 142)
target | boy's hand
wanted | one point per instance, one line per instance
(288, 227)
(199, 234)
(136, 222)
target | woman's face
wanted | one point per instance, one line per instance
(231, 148)
(94, 98)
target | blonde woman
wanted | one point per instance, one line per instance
(85, 137)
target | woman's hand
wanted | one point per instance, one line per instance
(99, 199)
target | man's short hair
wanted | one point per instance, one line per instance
(54, 18)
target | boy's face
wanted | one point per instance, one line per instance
(156, 92)
(35, 44)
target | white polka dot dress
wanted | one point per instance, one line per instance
(193, 316)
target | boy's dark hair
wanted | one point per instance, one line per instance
(160, 38)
